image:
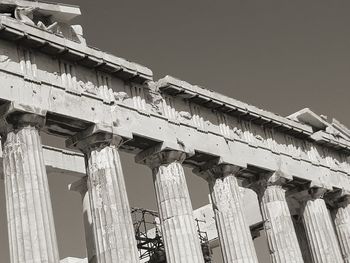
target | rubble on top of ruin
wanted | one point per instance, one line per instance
(321, 123)
(51, 17)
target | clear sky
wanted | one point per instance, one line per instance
(280, 55)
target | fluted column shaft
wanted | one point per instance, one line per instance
(175, 209)
(320, 232)
(281, 236)
(302, 238)
(81, 187)
(111, 218)
(342, 225)
(31, 227)
(236, 242)
(234, 233)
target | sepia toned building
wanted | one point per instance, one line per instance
(53, 82)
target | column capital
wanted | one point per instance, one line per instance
(214, 169)
(164, 157)
(338, 198)
(276, 178)
(308, 192)
(317, 192)
(161, 154)
(13, 117)
(94, 137)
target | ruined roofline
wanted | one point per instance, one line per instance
(341, 127)
(31, 2)
(214, 100)
(56, 45)
(61, 12)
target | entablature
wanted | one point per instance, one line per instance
(173, 113)
(220, 103)
(79, 53)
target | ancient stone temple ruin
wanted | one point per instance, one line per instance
(53, 82)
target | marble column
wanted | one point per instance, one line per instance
(341, 215)
(80, 186)
(31, 227)
(111, 217)
(236, 242)
(302, 238)
(319, 229)
(175, 209)
(280, 232)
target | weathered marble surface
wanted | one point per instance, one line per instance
(282, 240)
(234, 234)
(319, 228)
(341, 217)
(77, 87)
(31, 227)
(180, 236)
(302, 238)
(81, 187)
(111, 217)
(82, 95)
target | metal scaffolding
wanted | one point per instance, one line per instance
(203, 237)
(149, 237)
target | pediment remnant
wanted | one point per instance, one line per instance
(51, 17)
